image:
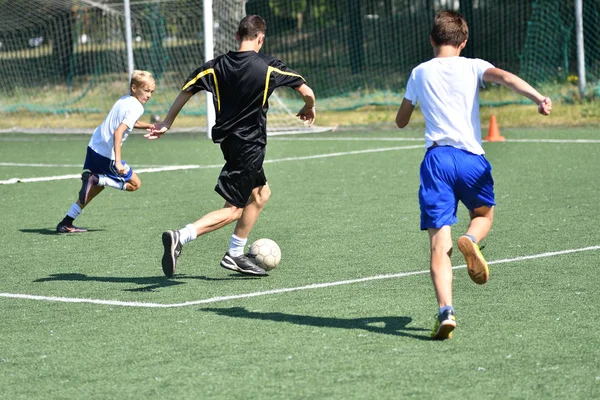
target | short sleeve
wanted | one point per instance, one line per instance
(411, 92)
(133, 114)
(202, 78)
(480, 66)
(281, 75)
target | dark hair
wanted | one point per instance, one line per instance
(251, 26)
(449, 28)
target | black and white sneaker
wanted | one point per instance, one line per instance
(242, 264)
(172, 252)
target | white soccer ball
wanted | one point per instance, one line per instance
(266, 253)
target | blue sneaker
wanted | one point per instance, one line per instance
(444, 325)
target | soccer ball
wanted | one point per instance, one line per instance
(266, 253)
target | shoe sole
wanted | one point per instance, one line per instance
(445, 331)
(168, 260)
(76, 230)
(476, 265)
(229, 264)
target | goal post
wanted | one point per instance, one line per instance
(209, 53)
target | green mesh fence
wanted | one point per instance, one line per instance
(59, 56)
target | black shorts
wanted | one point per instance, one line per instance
(243, 170)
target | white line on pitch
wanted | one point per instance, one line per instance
(419, 139)
(182, 167)
(11, 164)
(276, 291)
(554, 140)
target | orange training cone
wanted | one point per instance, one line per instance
(494, 132)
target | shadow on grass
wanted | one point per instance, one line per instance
(396, 326)
(46, 231)
(149, 283)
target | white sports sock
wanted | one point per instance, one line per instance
(104, 180)
(74, 211)
(236, 246)
(187, 234)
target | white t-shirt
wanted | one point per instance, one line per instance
(448, 90)
(127, 110)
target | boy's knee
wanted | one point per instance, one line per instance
(441, 249)
(133, 185)
(236, 213)
(262, 196)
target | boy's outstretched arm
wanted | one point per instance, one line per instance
(518, 85)
(118, 139)
(404, 112)
(157, 130)
(307, 113)
(143, 125)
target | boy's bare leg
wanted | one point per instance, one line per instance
(441, 275)
(258, 199)
(94, 191)
(134, 183)
(481, 223)
(246, 217)
(441, 265)
(66, 225)
(217, 219)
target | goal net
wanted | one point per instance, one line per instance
(70, 56)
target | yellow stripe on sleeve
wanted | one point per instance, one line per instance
(270, 70)
(200, 75)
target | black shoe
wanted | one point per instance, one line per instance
(88, 180)
(66, 228)
(172, 247)
(242, 264)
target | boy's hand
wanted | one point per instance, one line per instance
(307, 114)
(121, 169)
(545, 107)
(156, 131)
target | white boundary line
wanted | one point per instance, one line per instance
(12, 164)
(421, 139)
(183, 167)
(12, 181)
(275, 291)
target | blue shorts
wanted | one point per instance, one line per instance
(448, 175)
(101, 165)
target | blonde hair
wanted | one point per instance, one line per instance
(139, 77)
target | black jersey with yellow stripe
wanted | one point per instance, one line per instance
(241, 83)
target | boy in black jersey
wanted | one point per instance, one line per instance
(241, 83)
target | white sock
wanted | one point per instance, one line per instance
(74, 211)
(236, 246)
(187, 234)
(104, 180)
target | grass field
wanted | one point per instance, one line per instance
(347, 314)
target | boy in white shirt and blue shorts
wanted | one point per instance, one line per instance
(454, 167)
(103, 165)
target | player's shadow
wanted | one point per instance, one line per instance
(46, 231)
(396, 326)
(148, 283)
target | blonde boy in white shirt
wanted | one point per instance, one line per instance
(103, 163)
